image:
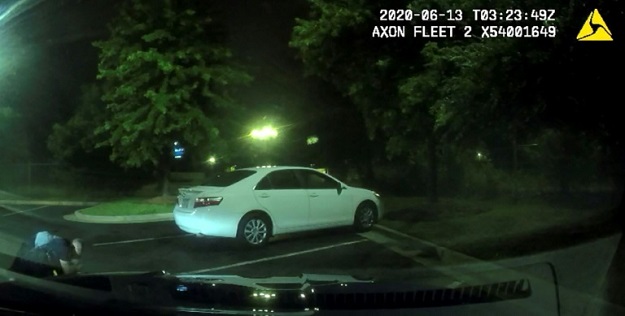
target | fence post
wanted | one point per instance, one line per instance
(30, 176)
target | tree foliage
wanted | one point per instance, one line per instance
(76, 136)
(6, 113)
(421, 94)
(12, 137)
(167, 76)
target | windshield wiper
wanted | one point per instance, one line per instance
(273, 283)
(161, 292)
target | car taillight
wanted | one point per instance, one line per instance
(207, 201)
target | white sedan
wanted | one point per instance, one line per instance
(253, 204)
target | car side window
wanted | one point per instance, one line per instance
(315, 180)
(279, 180)
(264, 184)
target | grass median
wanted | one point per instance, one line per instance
(129, 207)
(497, 229)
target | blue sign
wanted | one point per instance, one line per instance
(178, 150)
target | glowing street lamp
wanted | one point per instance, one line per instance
(265, 133)
(311, 140)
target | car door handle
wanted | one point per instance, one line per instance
(264, 195)
(314, 195)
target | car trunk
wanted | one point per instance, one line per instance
(187, 196)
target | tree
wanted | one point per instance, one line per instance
(12, 136)
(167, 76)
(422, 95)
(335, 43)
(399, 85)
(76, 136)
(6, 113)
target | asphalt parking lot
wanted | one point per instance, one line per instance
(379, 254)
(162, 246)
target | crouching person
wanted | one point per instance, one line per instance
(48, 255)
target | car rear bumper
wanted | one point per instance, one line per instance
(206, 221)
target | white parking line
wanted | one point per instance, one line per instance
(15, 211)
(138, 240)
(292, 254)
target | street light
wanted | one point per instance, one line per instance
(265, 133)
(311, 140)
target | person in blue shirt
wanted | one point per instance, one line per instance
(65, 254)
(49, 255)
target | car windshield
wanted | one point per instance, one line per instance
(404, 140)
(227, 178)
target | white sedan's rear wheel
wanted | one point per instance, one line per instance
(254, 230)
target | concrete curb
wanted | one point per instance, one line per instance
(43, 202)
(128, 219)
(10, 195)
(459, 266)
(447, 256)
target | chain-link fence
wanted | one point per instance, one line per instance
(24, 175)
(44, 180)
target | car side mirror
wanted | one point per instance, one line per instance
(339, 188)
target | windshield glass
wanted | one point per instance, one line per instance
(214, 137)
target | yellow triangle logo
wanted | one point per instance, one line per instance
(594, 29)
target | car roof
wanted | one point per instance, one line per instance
(272, 168)
(261, 171)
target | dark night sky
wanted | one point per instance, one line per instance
(57, 34)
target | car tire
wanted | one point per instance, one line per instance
(254, 230)
(365, 217)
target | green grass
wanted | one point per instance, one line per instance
(485, 228)
(129, 207)
(76, 192)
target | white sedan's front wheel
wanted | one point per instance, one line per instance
(254, 230)
(365, 217)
